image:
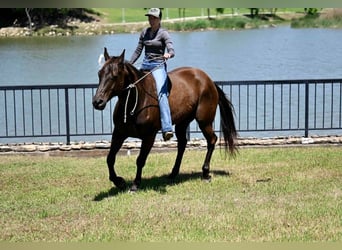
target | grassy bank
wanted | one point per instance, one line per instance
(197, 19)
(222, 23)
(113, 21)
(265, 194)
(194, 19)
(329, 18)
(112, 15)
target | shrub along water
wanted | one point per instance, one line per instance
(331, 18)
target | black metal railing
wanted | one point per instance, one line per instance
(263, 109)
(286, 105)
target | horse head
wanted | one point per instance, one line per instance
(111, 80)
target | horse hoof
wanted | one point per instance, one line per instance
(172, 176)
(206, 178)
(133, 189)
(120, 183)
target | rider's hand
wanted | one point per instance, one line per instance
(167, 56)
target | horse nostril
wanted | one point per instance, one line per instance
(98, 103)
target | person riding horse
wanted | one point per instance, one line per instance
(155, 39)
(193, 96)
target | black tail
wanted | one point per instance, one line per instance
(227, 122)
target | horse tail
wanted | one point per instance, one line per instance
(227, 122)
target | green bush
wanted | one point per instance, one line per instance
(229, 23)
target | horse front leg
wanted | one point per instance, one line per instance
(115, 146)
(146, 146)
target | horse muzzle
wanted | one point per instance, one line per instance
(99, 104)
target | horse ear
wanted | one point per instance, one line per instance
(122, 56)
(106, 55)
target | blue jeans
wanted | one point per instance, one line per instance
(160, 77)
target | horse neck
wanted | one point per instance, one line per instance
(136, 77)
(140, 86)
(132, 74)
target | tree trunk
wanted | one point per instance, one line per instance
(27, 10)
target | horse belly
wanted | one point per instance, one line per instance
(183, 103)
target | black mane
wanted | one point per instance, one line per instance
(133, 70)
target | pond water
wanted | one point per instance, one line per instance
(260, 54)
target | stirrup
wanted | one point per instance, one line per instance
(167, 135)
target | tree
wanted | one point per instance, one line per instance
(254, 12)
(208, 11)
(273, 11)
(219, 11)
(27, 11)
(40, 16)
(179, 12)
(12, 17)
(311, 11)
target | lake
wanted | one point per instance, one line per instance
(259, 54)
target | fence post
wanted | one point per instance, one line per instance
(306, 109)
(67, 118)
(188, 133)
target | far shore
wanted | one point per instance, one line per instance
(78, 28)
(326, 18)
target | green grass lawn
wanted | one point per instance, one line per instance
(264, 194)
(115, 15)
(134, 19)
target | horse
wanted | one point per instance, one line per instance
(192, 95)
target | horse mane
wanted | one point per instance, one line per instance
(132, 69)
(132, 74)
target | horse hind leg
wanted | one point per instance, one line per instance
(211, 138)
(180, 130)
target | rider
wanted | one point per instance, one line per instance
(155, 39)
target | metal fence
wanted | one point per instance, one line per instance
(64, 113)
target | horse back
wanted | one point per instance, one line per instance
(190, 81)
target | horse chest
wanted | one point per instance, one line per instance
(134, 124)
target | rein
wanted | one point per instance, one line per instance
(133, 85)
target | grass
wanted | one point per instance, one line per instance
(236, 22)
(130, 20)
(114, 15)
(172, 20)
(264, 194)
(329, 18)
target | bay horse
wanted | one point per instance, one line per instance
(192, 95)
